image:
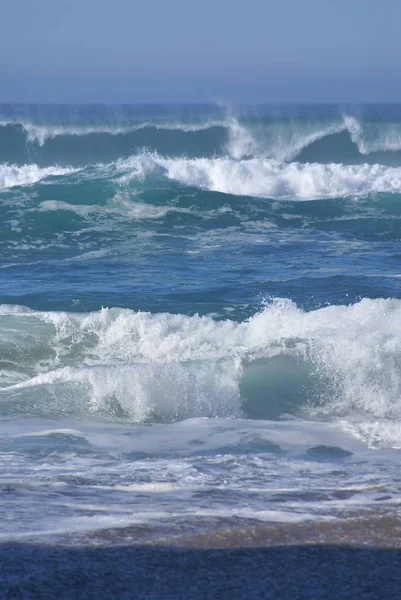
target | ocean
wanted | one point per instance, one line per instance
(200, 322)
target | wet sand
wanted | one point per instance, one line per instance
(356, 560)
(383, 531)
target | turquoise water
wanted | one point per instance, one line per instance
(198, 300)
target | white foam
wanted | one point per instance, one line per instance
(13, 175)
(268, 178)
(140, 392)
(94, 473)
(178, 366)
(378, 433)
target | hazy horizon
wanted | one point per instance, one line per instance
(122, 53)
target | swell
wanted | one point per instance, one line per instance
(339, 361)
(342, 139)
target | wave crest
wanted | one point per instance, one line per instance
(40, 133)
(13, 175)
(282, 139)
(268, 178)
(256, 177)
(339, 360)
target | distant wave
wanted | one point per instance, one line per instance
(345, 139)
(279, 140)
(286, 140)
(40, 133)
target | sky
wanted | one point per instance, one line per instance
(124, 51)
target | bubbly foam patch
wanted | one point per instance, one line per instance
(12, 175)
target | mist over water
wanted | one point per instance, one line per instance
(93, 134)
(199, 298)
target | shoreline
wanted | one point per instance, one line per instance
(357, 530)
(357, 560)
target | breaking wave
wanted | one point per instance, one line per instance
(273, 179)
(256, 177)
(13, 175)
(347, 139)
(341, 361)
(42, 133)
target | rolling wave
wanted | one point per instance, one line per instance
(255, 177)
(341, 139)
(40, 133)
(271, 179)
(342, 361)
(13, 175)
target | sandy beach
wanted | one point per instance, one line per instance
(353, 560)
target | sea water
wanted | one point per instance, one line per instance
(200, 316)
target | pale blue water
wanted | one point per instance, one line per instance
(200, 314)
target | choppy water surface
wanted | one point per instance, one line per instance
(200, 315)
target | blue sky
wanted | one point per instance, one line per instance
(209, 51)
